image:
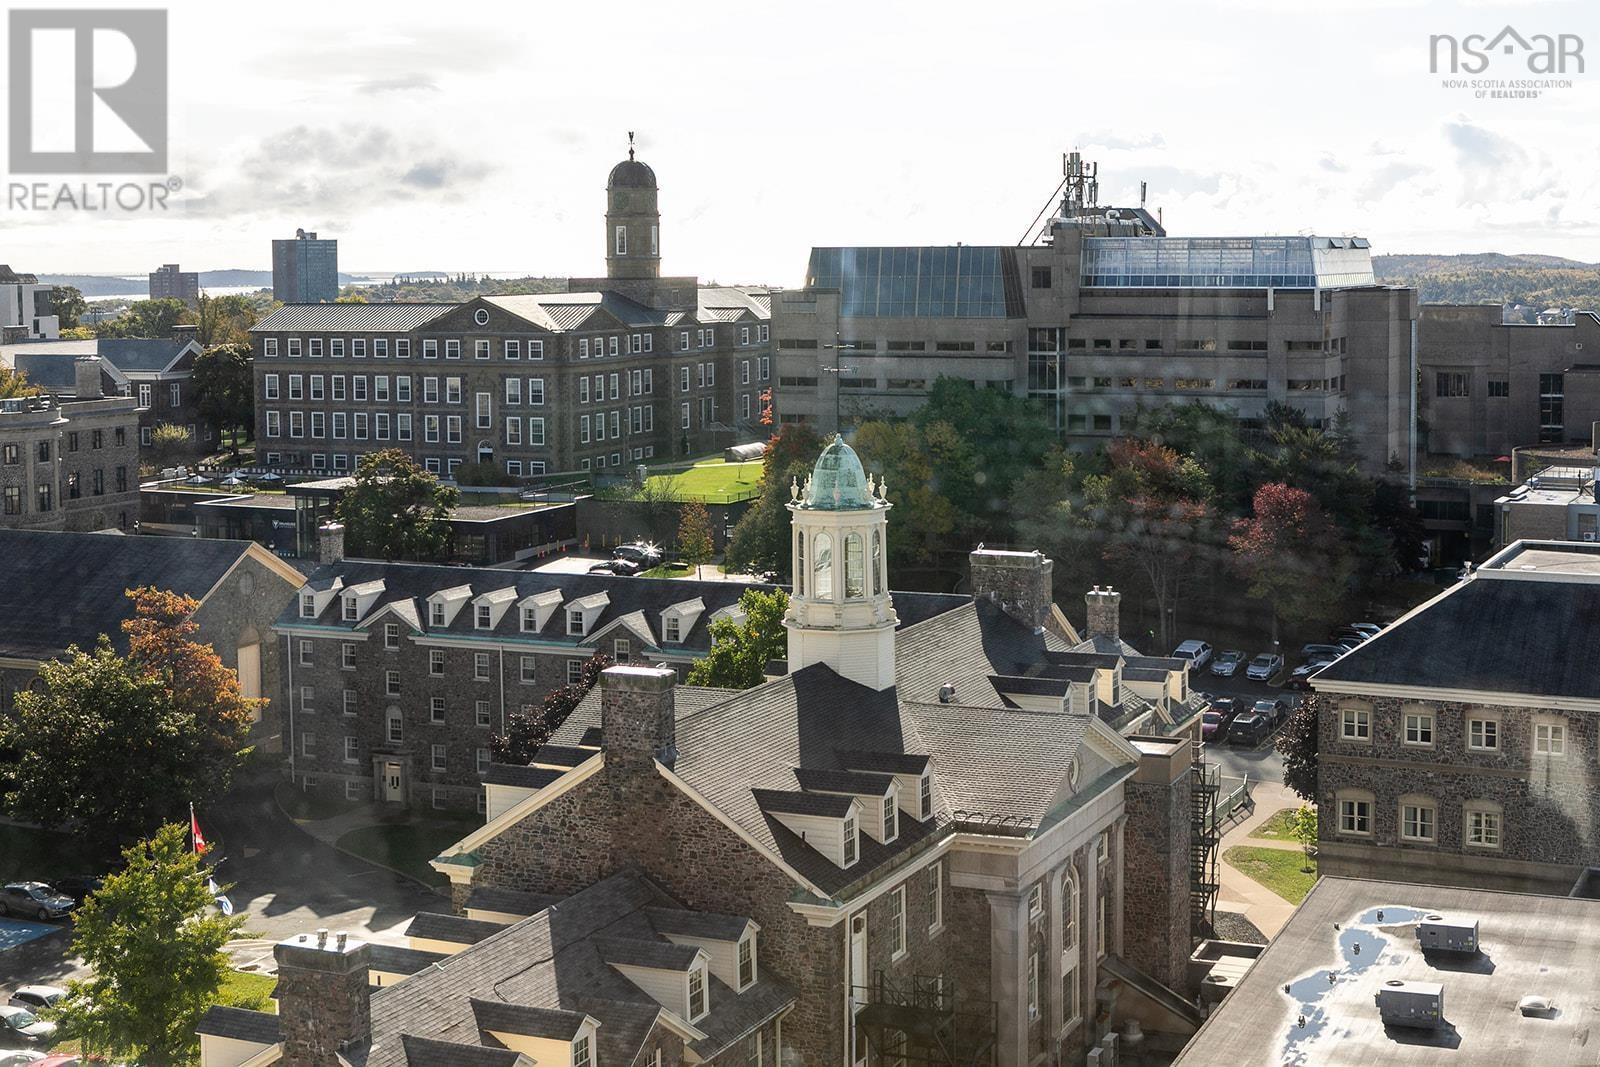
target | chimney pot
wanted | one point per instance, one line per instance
(322, 938)
(339, 939)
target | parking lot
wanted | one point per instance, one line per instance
(1261, 762)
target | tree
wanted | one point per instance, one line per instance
(224, 385)
(397, 510)
(169, 443)
(740, 651)
(70, 306)
(694, 536)
(118, 744)
(761, 539)
(147, 318)
(1303, 828)
(224, 320)
(1151, 510)
(13, 383)
(1289, 554)
(527, 731)
(925, 520)
(1297, 744)
(154, 943)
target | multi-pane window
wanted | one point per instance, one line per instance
(1418, 728)
(697, 990)
(391, 683)
(891, 821)
(481, 712)
(396, 726)
(436, 710)
(1033, 985)
(935, 896)
(1550, 739)
(391, 636)
(897, 921)
(851, 844)
(1355, 816)
(347, 656)
(305, 649)
(1355, 724)
(530, 672)
(436, 661)
(1482, 827)
(1418, 821)
(1483, 734)
(437, 757)
(925, 797)
(1036, 902)
(480, 666)
(747, 962)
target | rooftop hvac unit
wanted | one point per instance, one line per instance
(1415, 1004)
(1436, 933)
(1589, 535)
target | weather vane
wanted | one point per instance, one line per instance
(630, 144)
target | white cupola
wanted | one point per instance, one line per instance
(840, 612)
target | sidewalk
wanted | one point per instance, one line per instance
(1241, 893)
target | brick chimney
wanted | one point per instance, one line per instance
(638, 717)
(1019, 582)
(1104, 613)
(324, 1003)
(86, 383)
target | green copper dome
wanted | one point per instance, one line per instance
(838, 482)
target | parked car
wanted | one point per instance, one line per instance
(1198, 653)
(1264, 667)
(1300, 677)
(1248, 729)
(22, 1025)
(1371, 629)
(643, 553)
(1346, 634)
(34, 900)
(1309, 652)
(1227, 663)
(1227, 707)
(19, 1057)
(77, 886)
(623, 568)
(1275, 711)
(1210, 725)
(37, 997)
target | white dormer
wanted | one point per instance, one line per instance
(314, 601)
(729, 942)
(912, 774)
(1080, 699)
(1108, 684)
(584, 612)
(534, 611)
(556, 1037)
(879, 807)
(357, 600)
(679, 619)
(836, 836)
(681, 987)
(489, 608)
(446, 603)
(733, 611)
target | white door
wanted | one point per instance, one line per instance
(249, 660)
(391, 782)
(858, 982)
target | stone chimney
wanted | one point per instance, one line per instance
(86, 378)
(330, 542)
(1017, 581)
(638, 717)
(185, 331)
(1105, 613)
(324, 1004)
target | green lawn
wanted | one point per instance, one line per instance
(240, 989)
(668, 570)
(300, 805)
(408, 847)
(714, 481)
(45, 854)
(1277, 827)
(1280, 870)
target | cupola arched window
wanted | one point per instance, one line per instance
(822, 587)
(854, 567)
(877, 563)
(800, 563)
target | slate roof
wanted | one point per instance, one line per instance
(58, 588)
(337, 318)
(697, 924)
(240, 1024)
(648, 596)
(552, 962)
(396, 959)
(521, 1019)
(521, 777)
(439, 926)
(1491, 634)
(426, 1052)
(509, 901)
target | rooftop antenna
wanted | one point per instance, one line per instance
(1082, 191)
(630, 146)
(1143, 188)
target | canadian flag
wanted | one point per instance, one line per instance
(200, 845)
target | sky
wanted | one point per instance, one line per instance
(477, 136)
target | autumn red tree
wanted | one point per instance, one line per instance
(1290, 555)
(1152, 509)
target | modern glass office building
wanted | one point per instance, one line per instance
(1226, 262)
(305, 270)
(959, 281)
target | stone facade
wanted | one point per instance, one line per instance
(1020, 581)
(323, 998)
(1104, 617)
(1542, 808)
(1158, 841)
(70, 463)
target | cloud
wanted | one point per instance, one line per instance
(1122, 141)
(1383, 181)
(335, 173)
(402, 84)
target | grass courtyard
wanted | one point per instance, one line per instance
(1276, 828)
(1279, 869)
(713, 481)
(408, 846)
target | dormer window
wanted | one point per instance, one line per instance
(621, 649)
(925, 797)
(575, 624)
(891, 818)
(530, 620)
(671, 629)
(352, 611)
(747, 963)
(435, 614)
(581, 1055)
(697, 994)
(308, 606)
(851, 843)
(484, 619)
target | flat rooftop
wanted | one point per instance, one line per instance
(1549, 560)
(1336, 952)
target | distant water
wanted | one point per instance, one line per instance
(209, 290)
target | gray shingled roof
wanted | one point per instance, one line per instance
(637, 952)
(521, 1019)
(827, 780)
(698, 924)
(551, 961)
(796, 802)
(509, 901)
(396, 959)
(439, 926)
(521, 777)
(240, 1024)
(1497, 635)
(427, 1052)
(58, 589)
(335, 318)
